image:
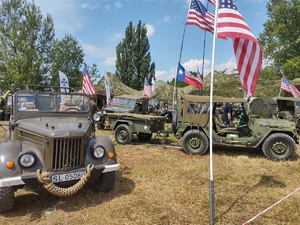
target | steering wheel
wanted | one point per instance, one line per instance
(68, 109)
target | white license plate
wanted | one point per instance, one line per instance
(67, 177)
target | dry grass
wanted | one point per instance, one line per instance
(158, 185)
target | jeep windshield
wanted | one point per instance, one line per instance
(123, 101)
(34, 104)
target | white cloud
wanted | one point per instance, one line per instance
(109, 61)
(118, 4)
(150, 30)
(114, 37)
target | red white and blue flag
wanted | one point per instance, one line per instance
(199, 76)
(185, 77)
(288, 87)
(147, 89)
(87, 84)
(247, 51)
(199, 16)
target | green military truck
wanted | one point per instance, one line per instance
(51, 144)
(277, 138)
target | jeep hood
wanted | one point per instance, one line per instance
(56, 127)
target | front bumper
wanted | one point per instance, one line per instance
(31, 180)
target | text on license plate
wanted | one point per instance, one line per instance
(67, 176)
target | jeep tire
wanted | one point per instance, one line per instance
(123, 135)
(106, 182)
(144, 136)
(195, 142)
(6, 199)
(279, 146)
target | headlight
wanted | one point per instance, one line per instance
(98, 152)
(27, 160)
(96, 117)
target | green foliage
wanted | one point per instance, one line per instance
(67, 56)
(26, 39)
(133, 61)
(280, 38)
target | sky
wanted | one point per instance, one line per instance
(99, 26)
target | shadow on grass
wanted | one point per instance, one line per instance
(37, 203)
(265, 181)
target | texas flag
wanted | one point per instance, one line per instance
(185, 77)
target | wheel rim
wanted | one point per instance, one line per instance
(123, 135)
(194, 143)
(279, 147)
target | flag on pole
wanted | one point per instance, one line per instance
(247, 51)
(288, 87)
(199, 16)
(199, 76)
(63, 82)
(147, 89)
(87, 84)
(185, 77)
(107, 88)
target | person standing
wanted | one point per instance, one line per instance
(2, 108)
(227, 113)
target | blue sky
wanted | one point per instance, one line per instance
(99, 25)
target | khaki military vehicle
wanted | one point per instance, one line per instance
(51, 143)
(277, 138)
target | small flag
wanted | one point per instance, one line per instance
(184, 76)
(147, 89)
(87, 84)
(288, 87)
(63, 82)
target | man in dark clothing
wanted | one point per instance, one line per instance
(2, 108)
(227, 113)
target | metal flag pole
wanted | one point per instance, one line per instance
(211, 184)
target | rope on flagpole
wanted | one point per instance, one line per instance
(253, 218)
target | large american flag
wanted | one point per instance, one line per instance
(287, 86)
(198, 15)
(247, 51)
(87, 84)
(147, 89)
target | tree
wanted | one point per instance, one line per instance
(67, 56)
(133, 61)
(26, 39)
(281, 37)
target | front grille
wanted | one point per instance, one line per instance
(67, 154)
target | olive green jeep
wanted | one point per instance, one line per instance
(277, 138)
(51, 143)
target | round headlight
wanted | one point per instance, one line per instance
(96, 117)
(27, 160)
(98, 152)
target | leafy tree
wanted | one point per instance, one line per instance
(67, 56)
(133, 61)
(26, 39)
(281, 37)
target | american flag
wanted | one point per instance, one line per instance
(287, 86)
(247, 51)
(212, 2)
(199, 76)
(87, 84)
(198, 15)
(147, 89)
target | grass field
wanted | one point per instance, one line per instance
(160, 185)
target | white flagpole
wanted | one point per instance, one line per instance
(211, 184)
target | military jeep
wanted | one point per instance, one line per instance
(277, 138)
(289, 108)
(51, 143)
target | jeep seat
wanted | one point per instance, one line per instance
(28, 106)
(69, 104)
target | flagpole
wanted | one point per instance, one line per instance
(175, 78)
(211, 184)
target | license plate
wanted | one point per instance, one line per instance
(67, 177)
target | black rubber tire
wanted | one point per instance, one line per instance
(123, 135)
(6, 199)
(195, 142)
(279, 146)
(106, 182)
(144, 136)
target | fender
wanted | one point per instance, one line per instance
(9, 151)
